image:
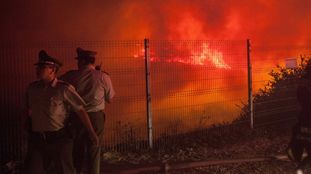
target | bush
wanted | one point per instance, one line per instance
(277, 100)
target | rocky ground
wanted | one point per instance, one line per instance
(218, 143)
(272, 167)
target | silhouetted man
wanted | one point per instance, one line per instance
(48, 102)
(96, 89)
(301, 139)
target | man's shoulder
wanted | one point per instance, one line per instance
(65, 85)
(106, 73)
(105, 77)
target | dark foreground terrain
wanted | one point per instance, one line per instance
(218, 143)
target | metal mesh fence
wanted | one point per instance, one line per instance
(125, 121)
(194, 84)
(275, 83)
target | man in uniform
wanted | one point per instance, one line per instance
(49, 102)
(95, 87)
(301, 139)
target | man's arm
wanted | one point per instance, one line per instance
(87, 123)
(77, 103)
(109, 90)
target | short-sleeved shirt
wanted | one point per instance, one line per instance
(50, 105)
(94, 86)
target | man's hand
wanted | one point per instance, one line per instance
(94, 138)
(87, 123)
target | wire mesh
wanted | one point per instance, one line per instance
(275, 85)
(194, 84)
(125, 120)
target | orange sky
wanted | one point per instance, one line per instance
(268, 23)
(264, 21)
(275, 27)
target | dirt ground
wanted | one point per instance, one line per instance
(218, 144)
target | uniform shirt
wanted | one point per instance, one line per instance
(50, 105)
(94, 86)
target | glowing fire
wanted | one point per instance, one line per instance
(202, 57)
(208, 54)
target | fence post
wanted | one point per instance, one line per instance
(148, 96)
(250, 84)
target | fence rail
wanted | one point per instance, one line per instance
(184, 85)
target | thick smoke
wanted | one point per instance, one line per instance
(267, 23)
(263, 21)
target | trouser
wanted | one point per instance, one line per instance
(84, 150)
(300, 142)
(305, 164)
(49, 147)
